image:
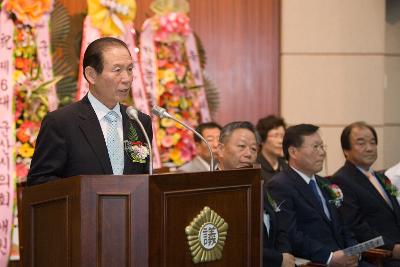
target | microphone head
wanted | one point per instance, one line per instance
(132, 113)
(159, 112)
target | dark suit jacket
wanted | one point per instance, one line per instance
(312, 235)
(276, 242)
(364, 209)
(71, 142)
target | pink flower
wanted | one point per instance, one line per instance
(172, 16)
(167, 141)
(180, 71)
(161, 35)
(162, 63)
(163, 21)
(171, 130)
(21, 170)
(186, 154)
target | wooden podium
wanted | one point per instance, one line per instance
(140, 220)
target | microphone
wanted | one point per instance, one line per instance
(162, 113)
(133, 114)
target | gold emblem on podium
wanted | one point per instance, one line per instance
(206, 236)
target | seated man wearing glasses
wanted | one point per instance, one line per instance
(308, 209)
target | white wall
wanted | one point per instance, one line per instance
(339, 64)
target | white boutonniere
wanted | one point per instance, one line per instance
(274, 205)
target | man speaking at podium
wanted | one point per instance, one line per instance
(92, 135)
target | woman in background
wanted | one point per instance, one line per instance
(271, 130)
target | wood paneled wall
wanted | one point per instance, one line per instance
(241, 39)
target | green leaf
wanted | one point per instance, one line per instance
(132, 135)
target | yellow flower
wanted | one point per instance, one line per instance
(183, 103)
(26, 151)
(179, 117)
(166, 76)
(174, 102)
(169, 6)
(176, 137)
(18, 76)
(167, 123)
(29, 11)
(175, 156)
(160, 133)
(161, 89)
(111, 16)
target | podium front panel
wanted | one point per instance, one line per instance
(50, 224)
(115, 226)
(139, 220)
(176, 201)
(99, 221)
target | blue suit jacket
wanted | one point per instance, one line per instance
(312, 235)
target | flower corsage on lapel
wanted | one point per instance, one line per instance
(387, 184)
(334, 191)
(136, 150)
(272, 202)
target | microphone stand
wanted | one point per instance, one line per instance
(132, 113)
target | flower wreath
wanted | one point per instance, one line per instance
(334, 191)
(387, 185)
(136, 150)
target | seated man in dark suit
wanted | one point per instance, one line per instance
(308, 203)
(210, 131)
(94, 135)
(370, 205)
(238, 149)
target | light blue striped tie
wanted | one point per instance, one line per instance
(113, 143)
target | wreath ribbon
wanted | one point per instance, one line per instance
(149, 71)
(7, 135)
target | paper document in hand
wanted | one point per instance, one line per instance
(359, 248)
(300, 261)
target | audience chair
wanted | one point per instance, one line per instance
(376, 256)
